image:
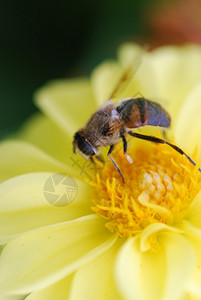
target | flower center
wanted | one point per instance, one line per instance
(159, 186)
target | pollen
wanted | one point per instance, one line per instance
(159, 187)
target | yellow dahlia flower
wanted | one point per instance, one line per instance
(135, 241)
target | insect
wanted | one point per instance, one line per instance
(111, 123)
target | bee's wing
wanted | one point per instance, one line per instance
(111, 78)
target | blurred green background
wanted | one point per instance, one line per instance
(43, 40)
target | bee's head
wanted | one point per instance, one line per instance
(83, 146)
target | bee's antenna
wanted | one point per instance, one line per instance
(124, 79)
(128, 73)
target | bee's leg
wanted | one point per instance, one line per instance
(113, 161)
(129, 159)
(161, 141)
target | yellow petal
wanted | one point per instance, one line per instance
(43, 133)
(176, 71)
(193, 297)
(104, 80)
(188, 126)
(194, 214)
(69, 103)
(142, 82)
(59, 290)
(149, 233)
(157, 75)
(96, 279)
(161, 274)
(11, 297)
(25, 202)
(45, 256)
(19, 157)
(189, 296)
(194, 236)
(130, 56)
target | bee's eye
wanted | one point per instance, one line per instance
(83, 145)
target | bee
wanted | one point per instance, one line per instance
(112, 123)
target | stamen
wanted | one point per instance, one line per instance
(159, 187)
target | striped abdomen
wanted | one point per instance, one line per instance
(140, 112)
